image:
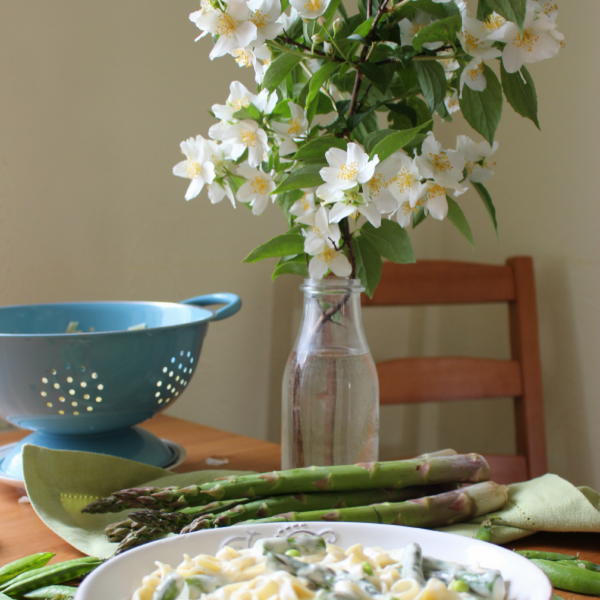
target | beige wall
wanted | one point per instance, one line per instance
(95, 100)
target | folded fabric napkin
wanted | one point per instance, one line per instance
(60, 483)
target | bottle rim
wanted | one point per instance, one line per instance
(332, 285)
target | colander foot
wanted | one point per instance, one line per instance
(133, 443)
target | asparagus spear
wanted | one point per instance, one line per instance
(137, 537)
(431, 511)
(319, 501)
(202, 522)
(117, 532)
(465, 468)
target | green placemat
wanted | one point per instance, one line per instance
(60, 483)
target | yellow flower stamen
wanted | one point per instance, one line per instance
(405, 180)
(436, 190)
(294, 126)
(313, 5)
(494, 22)
(227, 25)
(305, 204)
(475, 73)
(526, 41)
(241, 103)
(440, 162)
(348, 172)
(328, 255)
(248, 138)
(377, 184)
(242, 58)
(260, 19)
(416, 28)
(259, 185)
(469, 167)
(550, 7)
(471, 42)
(193, 168)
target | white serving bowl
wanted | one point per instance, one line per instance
(119, 577)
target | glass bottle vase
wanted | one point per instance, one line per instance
(330, 386)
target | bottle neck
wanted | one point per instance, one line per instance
(332, 321)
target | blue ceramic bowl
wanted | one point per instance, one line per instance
(86, 390)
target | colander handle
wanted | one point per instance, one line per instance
(232, 303)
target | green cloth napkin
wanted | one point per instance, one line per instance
(548, 503)
(60, 483)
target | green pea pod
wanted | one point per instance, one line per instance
(540, 554)
(484, 533)
(34, 561)
(571, 579)
(52, 574)
(170, 587)
(582, 564)
(50, 592)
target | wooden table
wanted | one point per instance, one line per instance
(22, 532)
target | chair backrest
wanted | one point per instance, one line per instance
(440, 379)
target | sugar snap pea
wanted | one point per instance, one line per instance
(51, 592)
(170, 587)
(51, 574)
(542, 555)
(28, 563)
(571, 579)
(582, 564)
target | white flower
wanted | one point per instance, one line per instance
(257, 190)
(292, 129)
(242, 135)
(408, 29)
(220, 157)
(259, 58)
(233, 26)
(473, 154)
(539, 41)
(240, 97)
(406, 212)
(304, 209)
(406, 185)
(347, 169)
(329, 259)
(472, 74)
(378, 187)
(452, 102)
(443, 166)
(475, 35)
(197, 167)
(358, 205)
(322, 233)
(265, 15)
(287, 21)
(450, 64)
(310, 9)
(205, 8)
(435, 201)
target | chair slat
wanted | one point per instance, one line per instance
(507, 468)
(440, 379)
(442, 282)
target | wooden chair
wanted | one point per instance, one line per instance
(410, 380)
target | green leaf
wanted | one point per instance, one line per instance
(390, 240)
(419, 217)
(457, 217)
(443, 30)
(368, 264)
(330, 12)
(394, 142)
(282, 110)
(282, 245)
(306, 177)
(279, 69)
(374, 138)
(318, 79)
(367, 125)
(235, 183)
(293, 266)
(487, 202)
(248, 112)
(285, 202)
(432, 80)
(324, 104)
(356, 118)
(380, 76)
(364, 28)
(483, 110)
(316, 148)
(521, 95)
(511, 10)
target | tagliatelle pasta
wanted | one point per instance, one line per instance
(304, 567)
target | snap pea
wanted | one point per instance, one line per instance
(484, 533)
(33, 561)
(582, 564)
(51, 592)
(542, 555)
(51, 574)
(170, 587)
(571, 579)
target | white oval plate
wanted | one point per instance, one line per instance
(118, 578)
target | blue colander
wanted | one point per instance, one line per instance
(86, 390)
